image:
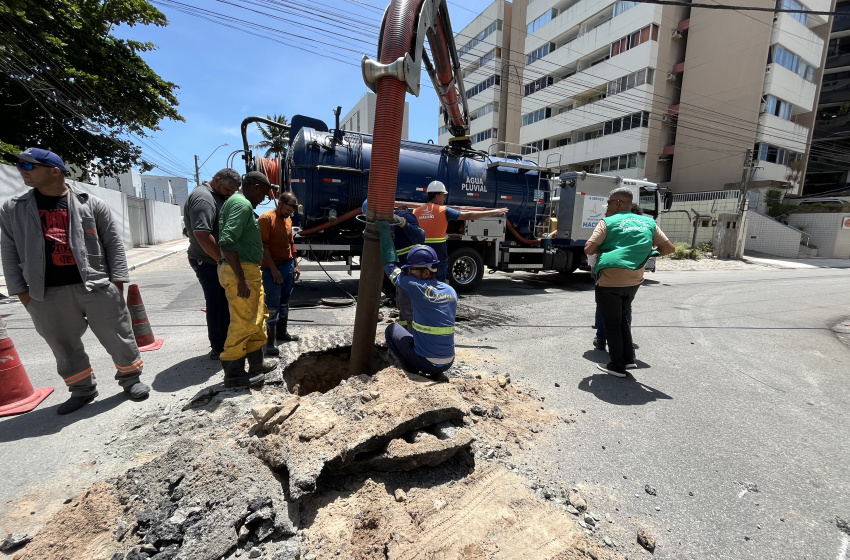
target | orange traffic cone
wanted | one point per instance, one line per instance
(141, 327)
(16, 392)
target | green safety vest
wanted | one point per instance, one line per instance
(628, 243)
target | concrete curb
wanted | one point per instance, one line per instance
(156, 258)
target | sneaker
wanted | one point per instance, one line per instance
(610, 371)
(75, 403)
(631, 365)
(245, 381)
(138, 391)
(599, 344)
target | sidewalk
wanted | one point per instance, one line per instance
(138, 256)
(817, 262)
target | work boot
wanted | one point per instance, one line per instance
(256, 363)
(236, 376)
(138, 391)
(280, 331)
(75, 403)
(270, 348)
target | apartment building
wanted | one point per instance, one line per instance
(676, 95)
(829, 159)
(361, 117)
(491, 57)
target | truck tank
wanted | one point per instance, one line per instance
(330, 177)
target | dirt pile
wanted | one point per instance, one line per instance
(387, 466)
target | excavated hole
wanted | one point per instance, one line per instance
(322, 371)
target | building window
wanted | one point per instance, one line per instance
(539, 53)
(443, 130)
(484, 135)
(541, 21)
(623, 6)
(564, 141)
(534, 147)
(778, 108)
(485, 110)
(785, 58)
(628, 122)
(538, 84)
(793, 5)
(627, 161)
(775, 154)
(488, 83)
(493, 27)
(650, 32)
(534, 116)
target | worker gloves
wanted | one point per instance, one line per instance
(400, 221)
(387, 248)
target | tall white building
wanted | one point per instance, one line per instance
(361, 117)
(677, 95)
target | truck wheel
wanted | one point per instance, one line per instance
(466, 268)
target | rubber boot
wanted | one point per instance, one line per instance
(256, 363)
(280, 332)
(270, 348)
(236, 376)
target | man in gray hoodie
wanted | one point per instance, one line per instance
(63, 258)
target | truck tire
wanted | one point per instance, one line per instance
(466, 268)
(573, 261)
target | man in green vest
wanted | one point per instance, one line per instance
(624, 241)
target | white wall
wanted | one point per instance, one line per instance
(679, 227)
(164, 222)
(766, 235)
(826, 233)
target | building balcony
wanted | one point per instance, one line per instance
(628, 142)
(797, 38)
(770, 172)
(785, 84)
(782, 133)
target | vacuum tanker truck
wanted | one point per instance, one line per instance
(550, 214)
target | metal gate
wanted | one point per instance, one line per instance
(138, 221)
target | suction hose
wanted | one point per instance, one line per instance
(383, 177)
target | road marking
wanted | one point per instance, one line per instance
(741, 494)
(842, 553)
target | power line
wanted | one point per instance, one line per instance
(740, 8)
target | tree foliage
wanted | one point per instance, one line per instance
(275, 140)
(69, 85)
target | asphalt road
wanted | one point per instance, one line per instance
(738, 416)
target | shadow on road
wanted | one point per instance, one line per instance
(620, 391)
(44, 421)
(193, 371)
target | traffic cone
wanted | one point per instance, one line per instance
(141, 327)
(16, 392)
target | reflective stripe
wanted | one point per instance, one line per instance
(441, 361)
(435, 240)
(78, 376)
(395, 273)
(135, 365)
(404, 251)
(403, 323)
(432, 330)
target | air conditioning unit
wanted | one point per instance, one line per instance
(667, 118)
(676, 34)
(671, 76)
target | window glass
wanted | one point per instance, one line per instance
(627, 122)
(607, 128)
(640, 78)
(633, 159)
(604, 165)
(641, 160)
(645, 119)
(654, 32)
(644, 35)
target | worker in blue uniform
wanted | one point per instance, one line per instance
(430, 349)
(406, 235)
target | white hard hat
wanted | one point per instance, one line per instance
(436, 187)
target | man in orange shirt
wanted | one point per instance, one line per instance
(279, 268)
(434, 218)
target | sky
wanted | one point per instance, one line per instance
(228, 74)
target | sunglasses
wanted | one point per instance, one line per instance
(29, 166)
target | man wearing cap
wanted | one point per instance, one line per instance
(430, 348)
(200, 216)
(239, 274)
(434, 218)
(280, 271)
(64, 259)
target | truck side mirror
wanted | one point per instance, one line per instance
(668, 200)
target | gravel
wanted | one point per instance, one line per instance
(705, 263)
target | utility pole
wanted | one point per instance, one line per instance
(197, 172)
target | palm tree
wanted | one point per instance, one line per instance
(275, 140)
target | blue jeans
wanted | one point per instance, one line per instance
(218, 313)
(401, 343)
(442, 270)
(277, 295)
(599, 324)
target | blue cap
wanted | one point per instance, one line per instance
(46, 157)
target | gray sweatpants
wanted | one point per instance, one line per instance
(62, 318)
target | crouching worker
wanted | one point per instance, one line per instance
(430, 349)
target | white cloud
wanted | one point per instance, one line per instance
(229, 131)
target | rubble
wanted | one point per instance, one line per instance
(338, 430)
(645, 539)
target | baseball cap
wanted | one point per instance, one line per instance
(45, 157)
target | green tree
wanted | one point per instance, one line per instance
(68, 84)
(275, 140)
